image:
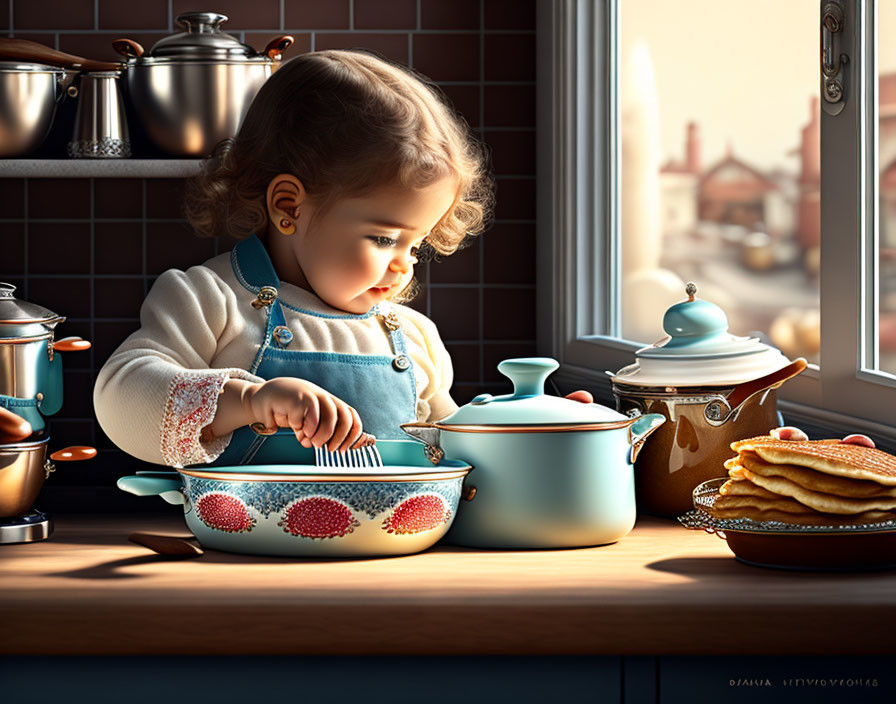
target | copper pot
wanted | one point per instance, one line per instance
(712, 387)
(702, 422)
(23, 469)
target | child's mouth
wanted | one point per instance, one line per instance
(382, 290)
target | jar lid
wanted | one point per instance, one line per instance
(16, 312)
(203, 39)
(699, 351)
(528, 404)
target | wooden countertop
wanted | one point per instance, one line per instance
(661, 590)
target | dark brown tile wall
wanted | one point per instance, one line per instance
(91, 248)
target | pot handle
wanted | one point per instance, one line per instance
(128, 48)
(725, 409)
(74, 453)
(141, 485)
(71, 344)
(277, 46)
(26, 50)
(640, 430)
(428, 434)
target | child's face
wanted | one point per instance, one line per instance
(362, 250)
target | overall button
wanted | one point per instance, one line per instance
(401, 363)
(391, 322)
(283, 335)
(266, 297)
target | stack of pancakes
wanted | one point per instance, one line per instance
(808, 482)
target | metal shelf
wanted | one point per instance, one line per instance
(98, 168)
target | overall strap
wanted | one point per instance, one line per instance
(254, 270)
(252, 265)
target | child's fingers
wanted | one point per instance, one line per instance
(355, 433)
(365, 440)
(327, 422)
(296, 421)
(345, 423)
(310, 420)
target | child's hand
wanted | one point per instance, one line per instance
(581, 395)
(316, 416)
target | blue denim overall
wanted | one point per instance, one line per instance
(380, 388)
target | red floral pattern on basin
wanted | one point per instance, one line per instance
(224, 512)
(417, 514)
(319, 517)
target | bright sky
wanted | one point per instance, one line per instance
(744, 71)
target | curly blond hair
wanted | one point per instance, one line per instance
(344, 123)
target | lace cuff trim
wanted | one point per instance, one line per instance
(191, 405)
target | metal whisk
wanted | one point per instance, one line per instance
(368, 456)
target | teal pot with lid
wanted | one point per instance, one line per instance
(30, 363)
(548, 472)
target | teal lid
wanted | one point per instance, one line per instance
(693, 325)
(528, 404)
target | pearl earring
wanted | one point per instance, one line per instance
(286, 227)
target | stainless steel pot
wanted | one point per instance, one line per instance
(101, 131)
(29, 94)
(30, 369)
(23, 469)
(33, 80)
(192, 89)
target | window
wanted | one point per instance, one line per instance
(708, 144)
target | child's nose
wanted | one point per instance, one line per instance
(400, 265)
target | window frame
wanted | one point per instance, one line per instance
(578, 197)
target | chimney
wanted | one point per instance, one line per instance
(810, 145)
(693, 148)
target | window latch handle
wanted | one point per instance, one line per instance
(832, 61)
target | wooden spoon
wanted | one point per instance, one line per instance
(25, 50)
(166, 545)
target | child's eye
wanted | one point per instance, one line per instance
(381, 241)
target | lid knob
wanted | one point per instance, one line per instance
(201, 21)
(693, 320)
(528, 374)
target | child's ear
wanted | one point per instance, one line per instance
(284, 198)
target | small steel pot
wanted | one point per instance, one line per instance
(23, 469)
(192, 89)
(29, 94)
(303, 510)
(30, 369)
(548, 472)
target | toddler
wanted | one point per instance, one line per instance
(345, 171)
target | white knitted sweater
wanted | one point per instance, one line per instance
(198, 329)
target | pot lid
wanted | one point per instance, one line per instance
(13, 66)
(699, 351)
(15, 311)
(528, 404)
(203, 39)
